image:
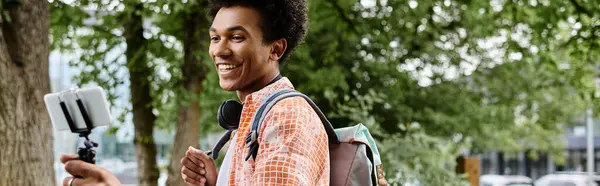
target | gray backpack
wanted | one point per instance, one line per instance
(353, 153)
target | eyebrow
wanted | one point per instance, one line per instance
(230, 29)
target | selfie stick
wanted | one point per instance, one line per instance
(86, 153)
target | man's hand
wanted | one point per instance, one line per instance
(86, 174)
(197, 168)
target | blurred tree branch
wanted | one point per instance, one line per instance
(343, 14)
(580, 8)
(10, 3)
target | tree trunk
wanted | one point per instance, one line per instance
(143, 118)
(25, 130)
(194, 73)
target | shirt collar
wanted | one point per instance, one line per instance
(258, 96)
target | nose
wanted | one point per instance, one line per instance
(221, 49)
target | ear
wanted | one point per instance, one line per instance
(277, 49)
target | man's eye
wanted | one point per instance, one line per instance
(237, 38)
(214, 38)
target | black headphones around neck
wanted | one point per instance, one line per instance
(228, 116)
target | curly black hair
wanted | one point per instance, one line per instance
(280, 19)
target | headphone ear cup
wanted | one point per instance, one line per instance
(229, 114)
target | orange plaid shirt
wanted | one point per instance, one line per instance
(293, 143)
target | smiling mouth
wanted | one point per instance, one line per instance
(227, 67)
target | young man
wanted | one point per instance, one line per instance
(250, 40)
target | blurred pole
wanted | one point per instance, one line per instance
(590, 145)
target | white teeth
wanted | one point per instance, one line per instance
(227, 67)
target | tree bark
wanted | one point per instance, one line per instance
(194, 73)
(143, 118)
(25, 130)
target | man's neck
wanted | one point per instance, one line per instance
(259, 84)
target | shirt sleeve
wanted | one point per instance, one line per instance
(293, 146)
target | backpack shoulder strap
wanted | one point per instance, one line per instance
(261, 113)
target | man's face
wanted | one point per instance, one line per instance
(237, 49)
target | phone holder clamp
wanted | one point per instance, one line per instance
(86, 153)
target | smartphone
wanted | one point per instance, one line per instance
(92, 99)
